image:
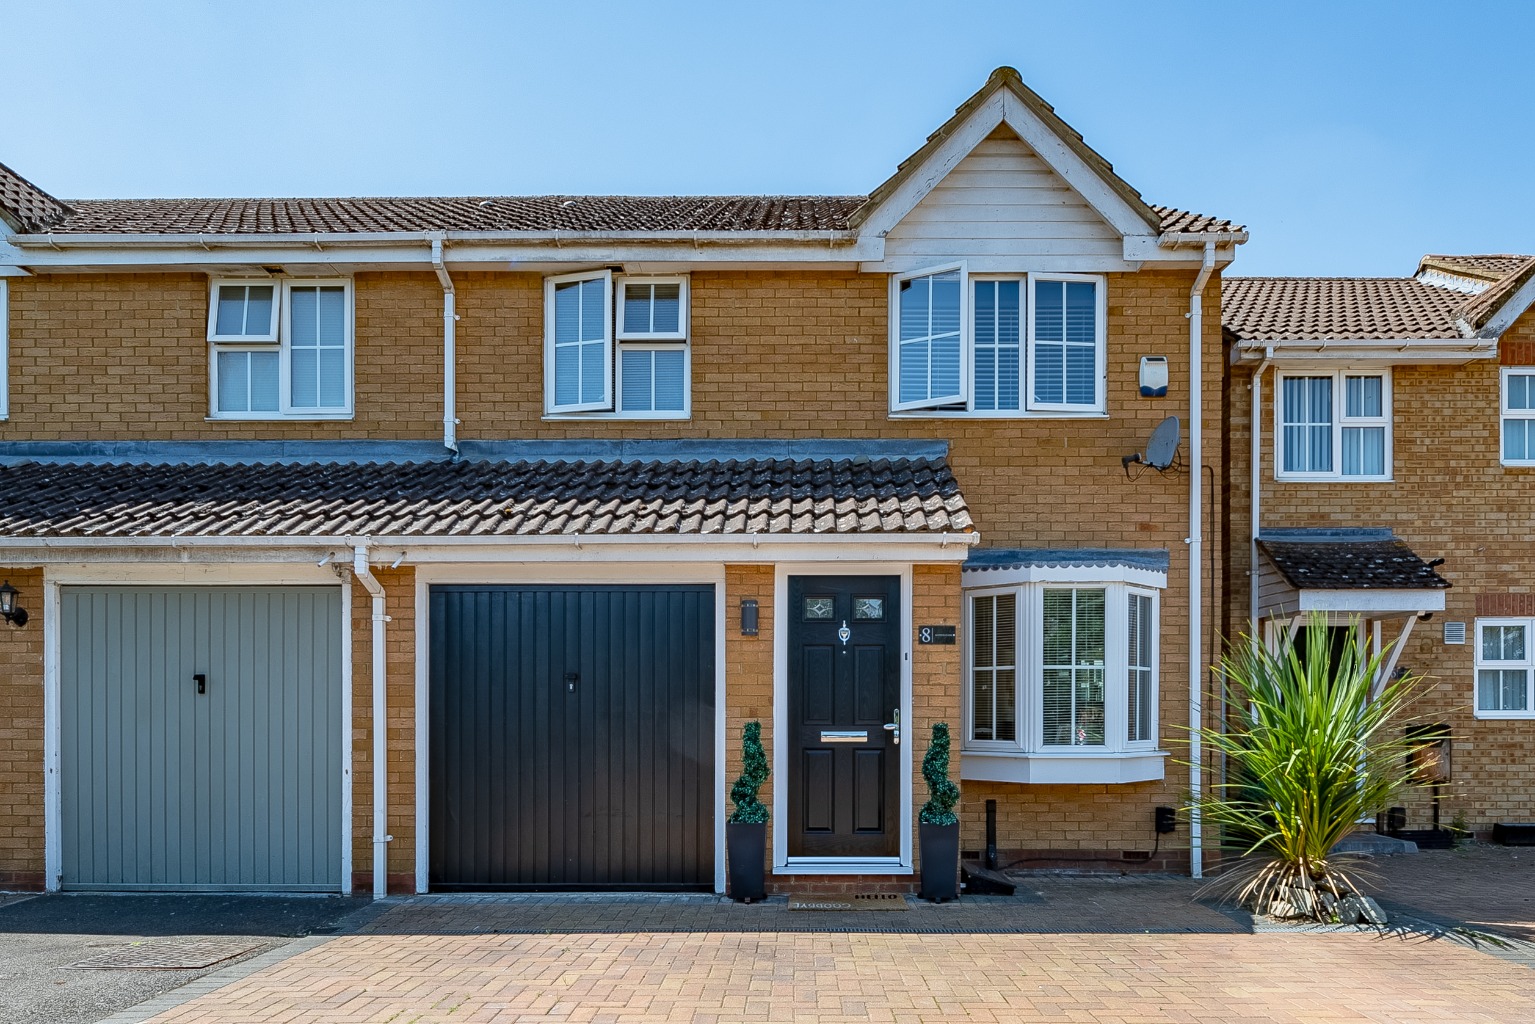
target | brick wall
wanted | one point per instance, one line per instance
(21, 739)
(1450, 498)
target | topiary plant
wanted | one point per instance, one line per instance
(941, 791)
(754, 772)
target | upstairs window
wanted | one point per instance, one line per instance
(630, 361)
(1334, 426)
(1518, 416)
(996, 345)
(280, 349)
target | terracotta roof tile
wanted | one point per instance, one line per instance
(26, 204)
(1338, 309)
(481, 498)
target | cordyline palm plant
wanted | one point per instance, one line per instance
(1317, 753)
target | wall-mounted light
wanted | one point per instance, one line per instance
(9, 610)
(748, 616)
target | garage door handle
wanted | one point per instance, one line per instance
(201, 681)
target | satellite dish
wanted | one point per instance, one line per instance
(1161, 448)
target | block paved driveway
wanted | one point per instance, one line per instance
(1067, 950)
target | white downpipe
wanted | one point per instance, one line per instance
(449, 350)
(1255, 429)
(1196, 555)
(381, 836)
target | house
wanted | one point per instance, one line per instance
(1379, 471)
(449, 543)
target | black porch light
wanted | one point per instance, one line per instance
(8, 609)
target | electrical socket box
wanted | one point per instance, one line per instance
(1166, 820)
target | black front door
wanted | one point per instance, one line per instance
(844, 765)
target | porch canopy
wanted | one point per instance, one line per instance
(1367, 572)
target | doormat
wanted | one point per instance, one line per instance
(164, 956)
(864, 901)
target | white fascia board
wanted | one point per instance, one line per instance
(1348, 601)
(1056, 769)
(414, 249)
(1386, 351)
(977, 579)
(1042, 263)
(1510, 311)
(926, 548)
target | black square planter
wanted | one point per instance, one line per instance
(746, 861)
(940, 862)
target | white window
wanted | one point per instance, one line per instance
(1062, 668)
(281, 349)
(1505, 664)
(631, 361)
(1334, 426)
(1518, 414)
(996, 345)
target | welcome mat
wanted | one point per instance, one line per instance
(864, 901)
(164, 956)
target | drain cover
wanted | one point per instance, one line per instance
(163, 956)
(865, 901)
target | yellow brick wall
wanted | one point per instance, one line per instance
(1450, 498)
(21, 738)
(400, 713)
(107, 356)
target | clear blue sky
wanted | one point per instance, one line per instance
(1350, 137)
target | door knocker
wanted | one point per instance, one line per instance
(844, 634)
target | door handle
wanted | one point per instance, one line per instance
(201, 681)
(894, 728)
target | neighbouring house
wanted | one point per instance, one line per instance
(448, 543)
(1380, 455)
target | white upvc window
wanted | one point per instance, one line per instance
(1062, 668)
(617, 346)
(1517, 414)
(280, 349)
(996, 344)
(1505, 668)
(1333, 425)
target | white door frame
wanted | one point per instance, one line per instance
(783, 864)
(556, 574)
(174, 575)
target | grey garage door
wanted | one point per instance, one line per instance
(201, 738)
(572, 737)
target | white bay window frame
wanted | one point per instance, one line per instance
(276, 337)
(618, 338)
(962, 402)
(1028, 758)
(1340, 423)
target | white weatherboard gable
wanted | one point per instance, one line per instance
(1023, 203)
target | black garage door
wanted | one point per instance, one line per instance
(572, 737)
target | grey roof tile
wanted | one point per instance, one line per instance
(481, 498)
(1334, 561)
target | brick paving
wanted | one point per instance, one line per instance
(1095, 950)
(1486, 887)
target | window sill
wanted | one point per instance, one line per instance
(622, 417)
(1505, 716)
(1099, 767)
(336, 417)
(1053, 414)
(1292, 478)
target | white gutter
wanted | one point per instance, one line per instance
(417, 541)
(1205, 239)
(449, 350)
(1255, 515)
(1196, 553)
(381, 836)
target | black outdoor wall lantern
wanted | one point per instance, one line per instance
(8, 609)
(748, 616)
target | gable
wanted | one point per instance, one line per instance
(1003, 207)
